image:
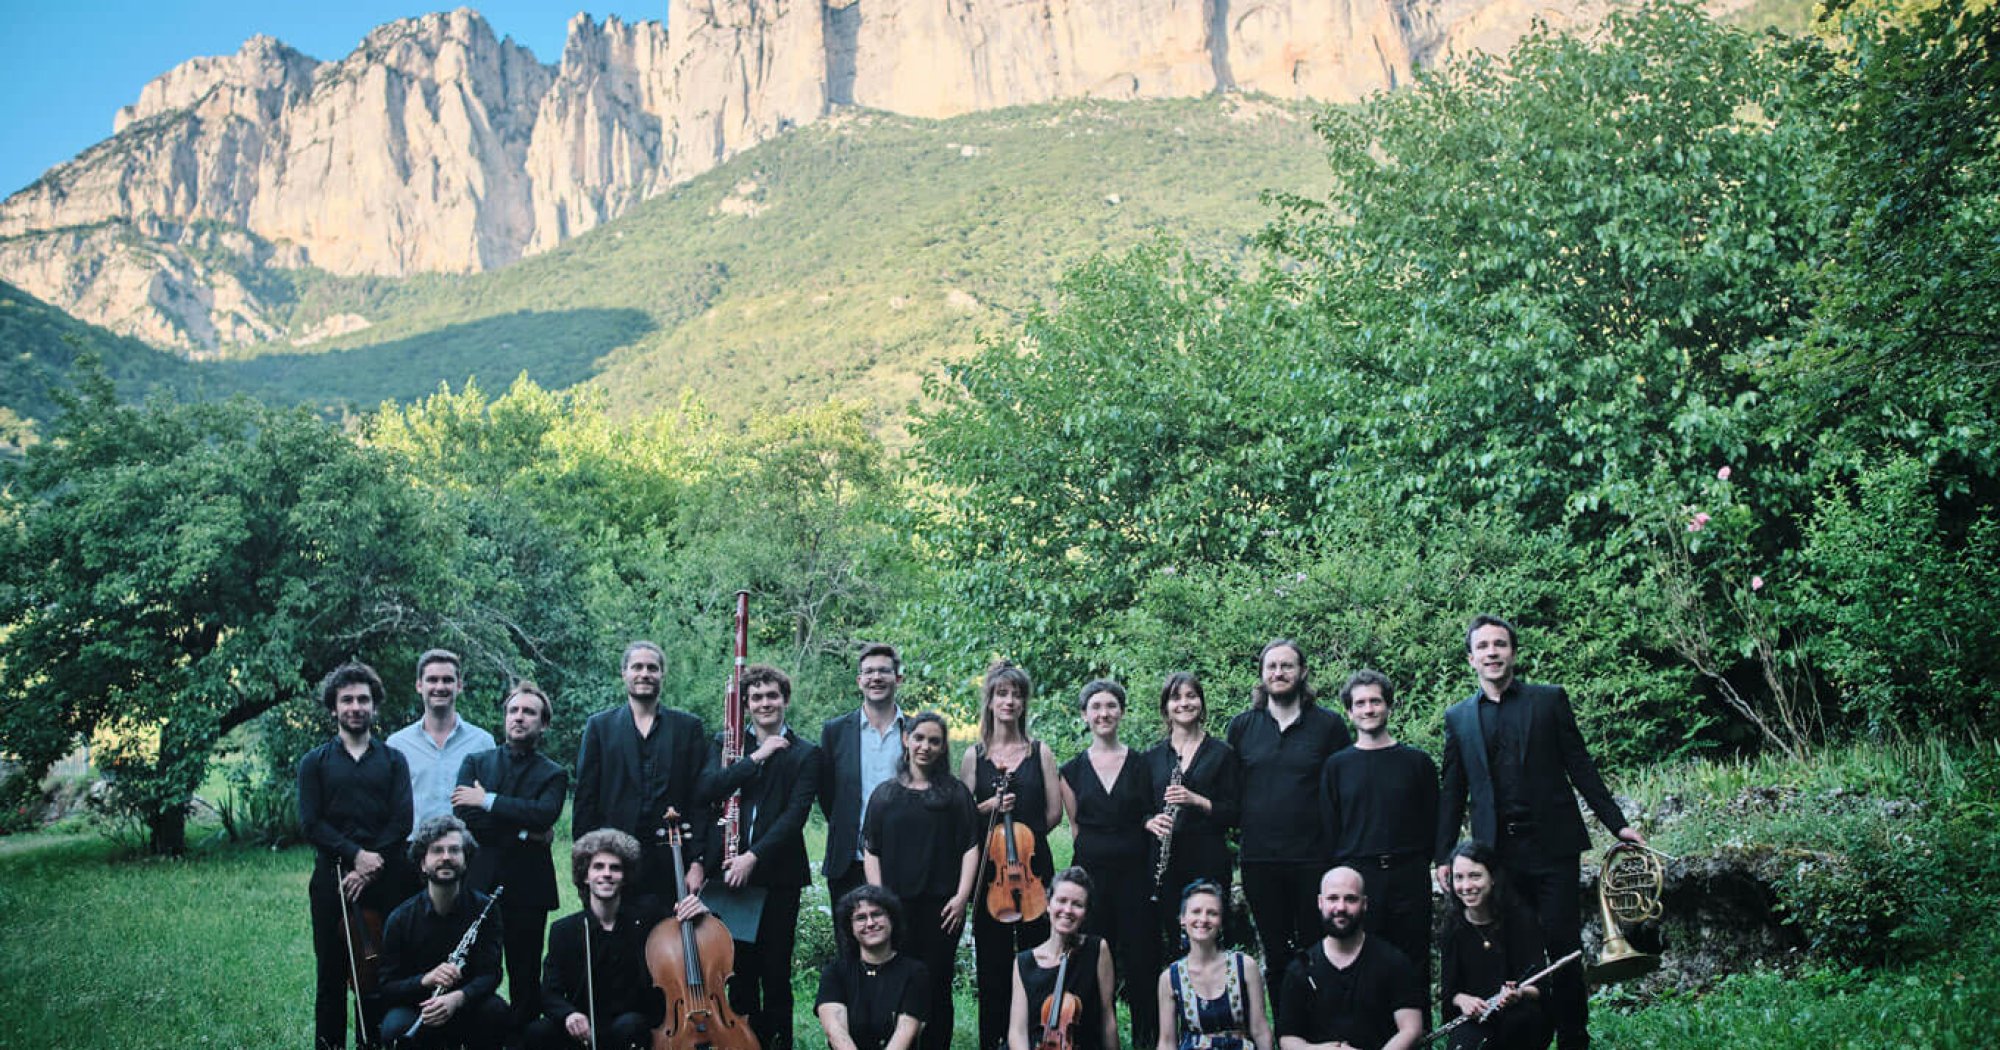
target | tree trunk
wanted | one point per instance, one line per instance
(168, 831)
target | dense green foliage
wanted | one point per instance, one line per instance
(1599, 298)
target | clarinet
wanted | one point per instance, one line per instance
(458, 954)
(1172, 812)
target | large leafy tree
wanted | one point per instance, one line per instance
(1557, 280)
(170, 572)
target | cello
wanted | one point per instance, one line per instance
(1015, 894)
(690, 963)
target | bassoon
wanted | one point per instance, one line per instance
(732, 734)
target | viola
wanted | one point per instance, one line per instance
(1059, 1012)
(690, 963)
(1015, 894)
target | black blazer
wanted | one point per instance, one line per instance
(609, 790)
(778, 795)
(1554, 759)
(528, 797)
(618, 974)
(840, 791)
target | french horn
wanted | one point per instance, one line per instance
(1630, 882)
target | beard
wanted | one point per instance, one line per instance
(1340, 926)
(444, 873)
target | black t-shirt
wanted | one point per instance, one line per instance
(1111, 826)
(921, 837)
(1358, 1005)
(876, 995)
(1381, 801)
(1281, 821)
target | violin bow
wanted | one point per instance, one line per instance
(353, 966)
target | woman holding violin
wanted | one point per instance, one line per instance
(920, 842)
(1196, 790)
(1062, 987)
(1013, 779)
(1211, 999)
(1108, 795)
(871, 996)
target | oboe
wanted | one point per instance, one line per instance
(458, 954)
(1172, 812)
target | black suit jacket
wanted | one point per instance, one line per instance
(777, 795)
(528, 796)
(610, 793)
(618, 975)
(840, 791)
(1554, 760)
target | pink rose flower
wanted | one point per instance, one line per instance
(1756, 583)
(1698, 522)
(1723, 474)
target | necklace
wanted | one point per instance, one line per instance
(1481, 928)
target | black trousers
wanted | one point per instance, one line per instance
(628, 1031)
(994, 945)
(938, 951)
(485, 1023)
(1122, 915)
(761, 988)
(331, 1006)
(853, 877)
(521, 931)
(1284, 903)
(1399, 910)
(1549, 881)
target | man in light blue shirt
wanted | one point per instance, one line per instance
(436, 744)
(858, 753)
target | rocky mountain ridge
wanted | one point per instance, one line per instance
(436, 147)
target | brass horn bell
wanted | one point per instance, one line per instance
(1630, 882)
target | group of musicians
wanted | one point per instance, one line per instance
(435, 866)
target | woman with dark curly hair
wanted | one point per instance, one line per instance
(872, 996)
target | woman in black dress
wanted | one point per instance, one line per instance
(1108, 795)
(919, 842)
(1006, 750)
(1491, 943)
(1206, 795)
(1088, 975)
(871, 996)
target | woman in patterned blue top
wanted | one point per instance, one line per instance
(1211, 999)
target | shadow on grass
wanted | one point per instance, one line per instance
(557, 349)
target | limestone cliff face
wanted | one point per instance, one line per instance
(435, 146)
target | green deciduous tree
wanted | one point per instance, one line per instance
(168, 573)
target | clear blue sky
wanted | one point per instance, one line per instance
(67, 65)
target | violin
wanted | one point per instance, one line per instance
(690, 963)
(1015, 894)
(1059, 1013)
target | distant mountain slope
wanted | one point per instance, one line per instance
(39, 348)
(847, 257)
